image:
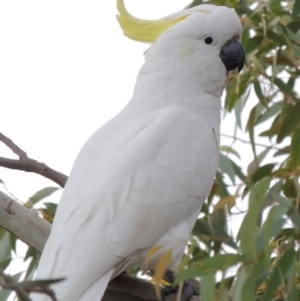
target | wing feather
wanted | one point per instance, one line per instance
(129, 190)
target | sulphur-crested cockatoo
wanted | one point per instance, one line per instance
(139, 182)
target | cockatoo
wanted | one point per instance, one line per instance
(139, 182)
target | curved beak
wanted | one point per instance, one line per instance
(232, 55)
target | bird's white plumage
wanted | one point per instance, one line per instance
(141, 179)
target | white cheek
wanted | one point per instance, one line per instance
(186, 48)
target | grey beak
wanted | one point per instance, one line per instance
(232, 55)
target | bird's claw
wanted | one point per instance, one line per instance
(187, 292)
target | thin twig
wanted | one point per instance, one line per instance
(248, 142)
(43, 290)
(29, 165)
(8, 191)
(10, 283)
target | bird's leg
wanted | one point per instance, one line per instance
(188, 290)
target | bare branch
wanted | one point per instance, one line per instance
(8, 142)
(31, 165)
(248, 142)
(23, 223)
(27, 164)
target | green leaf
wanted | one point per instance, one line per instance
(228, 201)
(294, 26)
(208, 287)
(274, 128)
(222, 188)
(270, 229)
(262, 172)
(248, 228)
(296, 9)
(238, 109)
(275, 6)
(277, 39)
(257, 61)
(204, 228)
(226, 166)
(248, 293)
(250, 128)
(221, 262)
(291, 82)
(31, 270)
(283, 87)
(290, 122)
(258, 91)
(243, 9)
(238, 287)
(292, 36)
(5, 293)
(195, 3)
(229, 150)
(254, 165)
(13, 241)
(253, 44)
(295, 218)
(270, 112)
(41, 194)
(191, 272)
(283, 151)
(238, 172)
(231, 96)
(295, 149)
(281, 199)
(39, 283)
(5, 251)
(289, 188)
(48, 213)
(277, 277)
(291, 281)
(236, 88)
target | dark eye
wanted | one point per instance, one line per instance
(208, 40)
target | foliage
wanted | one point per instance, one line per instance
(265, 252)
(261, 262)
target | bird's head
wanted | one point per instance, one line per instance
(203, 40)
(215, 28)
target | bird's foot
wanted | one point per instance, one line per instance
(187, 292)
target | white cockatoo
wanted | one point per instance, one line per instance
(139, 182)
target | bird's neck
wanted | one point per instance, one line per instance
(158, 88)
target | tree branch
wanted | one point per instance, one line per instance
(249, 142)
(23, 223)
(8, 142)
(27, 164)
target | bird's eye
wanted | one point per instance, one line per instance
(208, 40)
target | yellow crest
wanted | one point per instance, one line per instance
(143, 30)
